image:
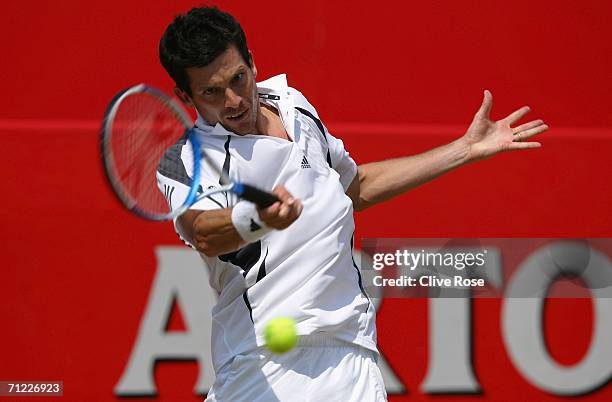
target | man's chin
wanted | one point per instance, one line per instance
(240, 129)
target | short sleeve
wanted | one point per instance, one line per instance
(341, 161)
(174, 180)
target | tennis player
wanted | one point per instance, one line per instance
(294, 258)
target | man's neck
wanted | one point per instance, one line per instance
(269, 123)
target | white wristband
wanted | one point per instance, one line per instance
(247, 222)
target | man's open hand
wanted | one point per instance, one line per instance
(486, 137)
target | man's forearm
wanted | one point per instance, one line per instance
(211, 232)
(380, 181)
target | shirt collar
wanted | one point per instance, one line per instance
(275, 92)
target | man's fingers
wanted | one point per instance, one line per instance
(296, 209)
(487, 104)
(290, 211)
(517, 115)
(282, 193)
(526, 134)
(282, 214)
(527, 126)
(285, 210)
(523, 145)
(271, 211)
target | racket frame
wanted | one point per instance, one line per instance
(245, 191)
(109, 162)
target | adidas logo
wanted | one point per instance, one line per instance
(305, 164)
(254, 226)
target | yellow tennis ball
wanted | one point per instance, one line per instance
(280, 335)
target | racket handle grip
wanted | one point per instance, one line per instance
(263, 199)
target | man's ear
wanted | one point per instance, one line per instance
(183, 96)
(253, 66)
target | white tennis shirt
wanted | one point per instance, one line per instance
(306, 271)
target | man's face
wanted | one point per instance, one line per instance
(225, 92)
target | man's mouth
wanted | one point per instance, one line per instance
(237, 116)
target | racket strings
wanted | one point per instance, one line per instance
(144, 128)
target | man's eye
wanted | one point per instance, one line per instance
(239, 77)
(209, 91)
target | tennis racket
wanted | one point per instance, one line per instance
(140, 125)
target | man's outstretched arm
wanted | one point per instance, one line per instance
(379, 181)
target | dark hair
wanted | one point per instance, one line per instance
(196, 39)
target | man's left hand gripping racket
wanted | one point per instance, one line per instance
(140, 125)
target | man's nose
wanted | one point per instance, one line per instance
(232, 100)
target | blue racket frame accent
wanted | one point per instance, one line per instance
(238, 189)
(196, 147)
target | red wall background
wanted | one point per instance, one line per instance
(391, 79)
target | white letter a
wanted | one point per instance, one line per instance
(180, 275)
